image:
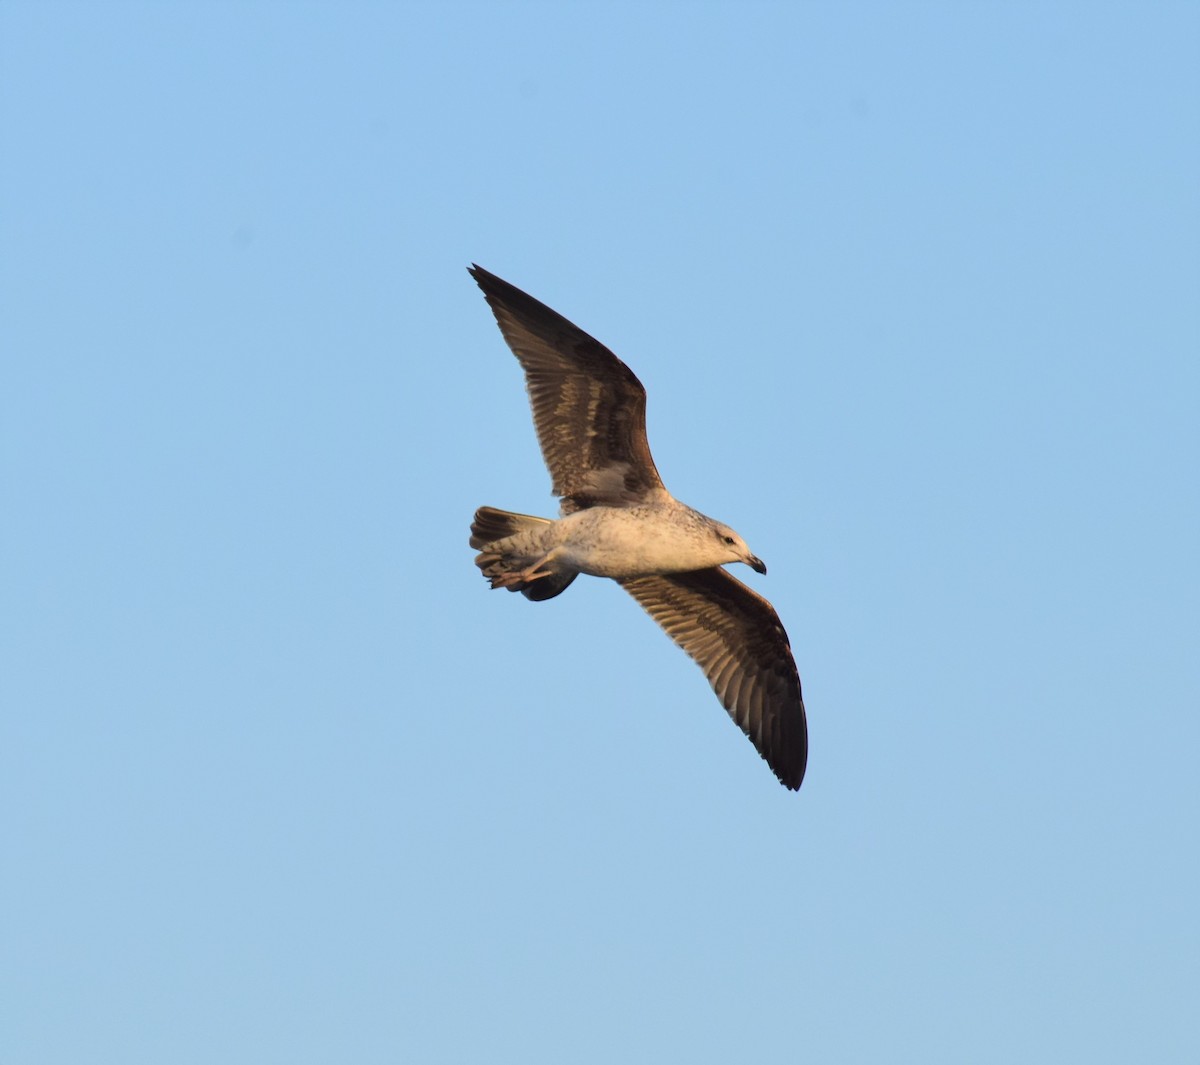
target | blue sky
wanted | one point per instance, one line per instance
(914, 292)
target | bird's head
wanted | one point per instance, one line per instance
(735, 549)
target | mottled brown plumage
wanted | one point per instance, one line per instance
(588, 407)
(618, 520)
(735, 636)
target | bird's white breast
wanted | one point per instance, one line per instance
(635, 541)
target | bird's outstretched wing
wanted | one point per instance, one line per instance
(735, 636)
(588, 407)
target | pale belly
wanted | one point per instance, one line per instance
(634, 542)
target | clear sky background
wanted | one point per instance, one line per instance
(914, 292)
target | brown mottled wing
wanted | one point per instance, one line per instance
(588, 407)
(735, 636)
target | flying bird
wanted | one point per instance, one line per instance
(616, 519)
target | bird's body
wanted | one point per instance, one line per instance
(636, 541)
(617, 520)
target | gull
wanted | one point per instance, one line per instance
(617, 520)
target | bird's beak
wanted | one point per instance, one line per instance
(756, 564)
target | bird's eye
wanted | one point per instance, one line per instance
(728, 540)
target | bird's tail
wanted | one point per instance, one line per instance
(509, 543)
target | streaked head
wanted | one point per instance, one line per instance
(736, 549)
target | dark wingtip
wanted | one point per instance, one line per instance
(496, 288)
(791, 772)
(485, 279)
(791, 775)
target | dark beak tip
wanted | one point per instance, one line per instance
(758, 565)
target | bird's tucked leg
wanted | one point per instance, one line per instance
(526, 576)
(517, 552)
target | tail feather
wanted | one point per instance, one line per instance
(491, 525)
(498, 560)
